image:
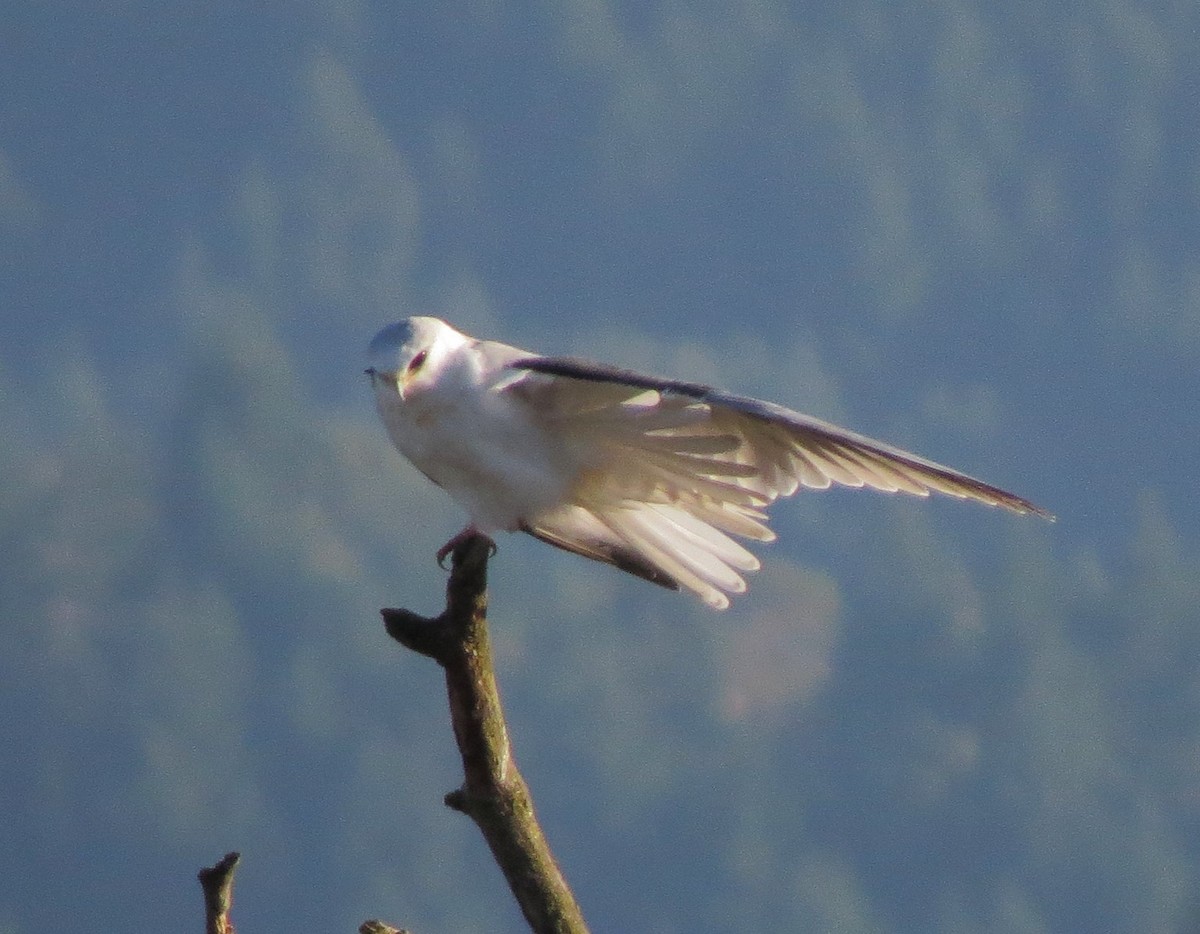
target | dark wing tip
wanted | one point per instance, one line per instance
(1026, 508)
(983, 492)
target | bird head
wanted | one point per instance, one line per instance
(407, 356)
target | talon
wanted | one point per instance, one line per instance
(461, 539)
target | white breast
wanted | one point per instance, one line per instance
(481, 447)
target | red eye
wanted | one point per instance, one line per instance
(418, 361)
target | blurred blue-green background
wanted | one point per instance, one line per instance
(970, 229)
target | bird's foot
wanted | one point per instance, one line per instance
(460, 540)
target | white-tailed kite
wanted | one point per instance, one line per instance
(651, 475)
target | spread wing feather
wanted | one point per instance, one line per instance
(670, 470)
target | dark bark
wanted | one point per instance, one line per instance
(217, 883)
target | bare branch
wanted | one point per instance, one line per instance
(217, 883)
(493, 793)
(378, 927)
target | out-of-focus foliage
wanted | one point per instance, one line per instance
(969, 230)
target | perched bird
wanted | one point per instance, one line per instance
(652, 475)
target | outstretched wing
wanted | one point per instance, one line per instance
(673, 469)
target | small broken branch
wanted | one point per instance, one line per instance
(493, 793)
(378, 927)
(217, 883)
